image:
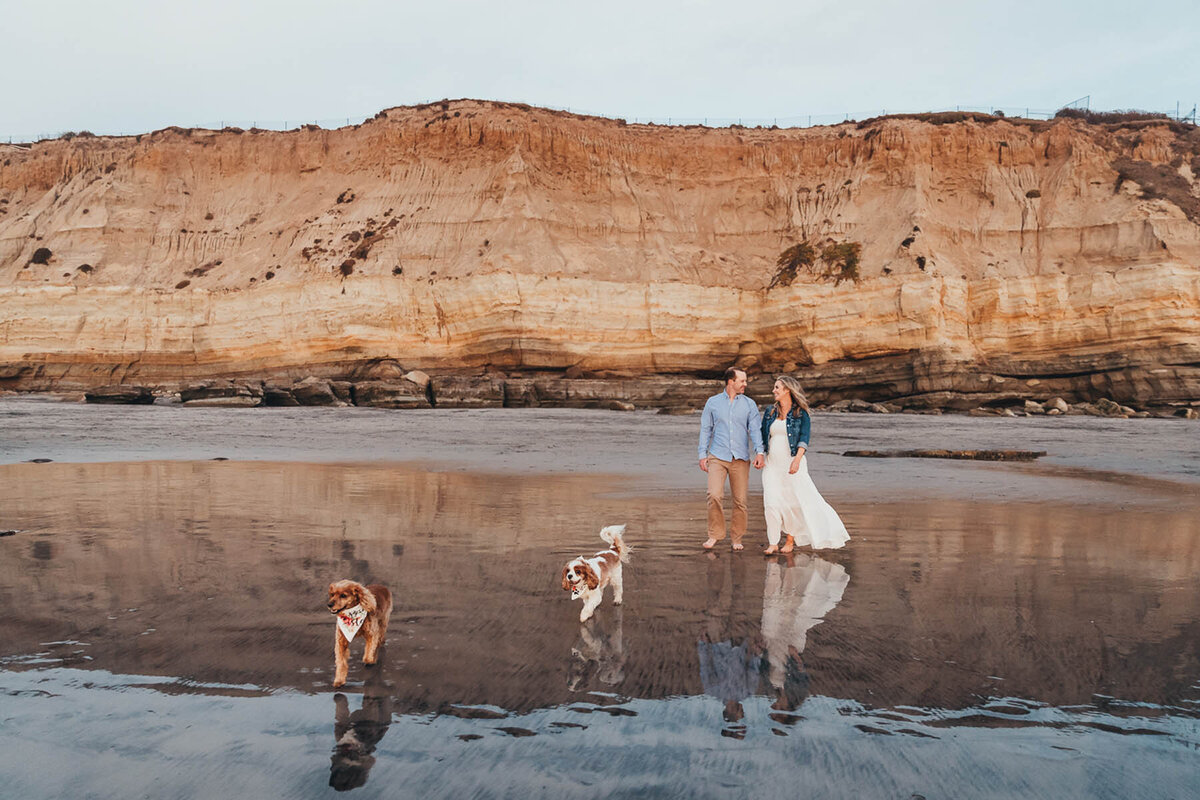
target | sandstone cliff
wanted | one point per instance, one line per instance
(998, 258)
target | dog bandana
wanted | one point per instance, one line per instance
(576, 590)
(350, 620)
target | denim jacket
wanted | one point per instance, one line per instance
(799, 425)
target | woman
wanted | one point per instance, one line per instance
(791, 502)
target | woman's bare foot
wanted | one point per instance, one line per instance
(772, 550)
(787, 546)
(709, 543)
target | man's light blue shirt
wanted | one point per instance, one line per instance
(726, 425)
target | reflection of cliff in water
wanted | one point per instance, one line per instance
(216, 572)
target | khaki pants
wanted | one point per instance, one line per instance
(738, 472)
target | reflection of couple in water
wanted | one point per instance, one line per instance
(737, 661)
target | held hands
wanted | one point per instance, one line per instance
(759, 460)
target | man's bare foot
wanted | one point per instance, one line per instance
(709, 543)
(772, 550)
(787, 546)
(736, 546)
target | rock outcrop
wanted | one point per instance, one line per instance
(120, 395)
(999, 260)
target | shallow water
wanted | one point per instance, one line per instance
(167, 637)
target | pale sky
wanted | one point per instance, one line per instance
(138, 65)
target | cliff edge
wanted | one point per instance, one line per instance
(983, 257)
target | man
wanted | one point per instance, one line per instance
(729, 419)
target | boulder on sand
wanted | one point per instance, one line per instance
(278, 396)
(314, 391)
(1056, 404)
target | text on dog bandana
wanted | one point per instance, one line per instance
(350, 620)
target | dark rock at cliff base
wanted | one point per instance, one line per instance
(224, 394)
(14, 371)
(314, 391)
(966, 455)
(381, 369)
(278, 396)
(988, 411)
(343, 391)
(389, 394)
(469, 391)
(120, 394)
(647, 392)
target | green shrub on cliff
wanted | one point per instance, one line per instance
(799, 256)
(840, 262)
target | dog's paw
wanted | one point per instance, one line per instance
(370, 663)
(338, 684)
(617, 602)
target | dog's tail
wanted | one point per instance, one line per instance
(614, 535)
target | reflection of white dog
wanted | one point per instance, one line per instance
(587, 577)
(597, 655)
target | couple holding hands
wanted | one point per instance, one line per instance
(730, 428)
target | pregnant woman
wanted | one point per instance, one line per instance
(791, 502)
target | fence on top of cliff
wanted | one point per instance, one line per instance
(1179, 113)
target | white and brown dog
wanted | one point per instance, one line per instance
(587, 577)
(358, 606)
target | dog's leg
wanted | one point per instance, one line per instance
(377, 635)
(590, 601)
(375, 638)
(591, 644)
(372, 645)
(341, 658)
(618, 584)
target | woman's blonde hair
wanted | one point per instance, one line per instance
(793, 387)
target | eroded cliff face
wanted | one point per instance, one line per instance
(997, 257)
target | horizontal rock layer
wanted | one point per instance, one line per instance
(999, 261)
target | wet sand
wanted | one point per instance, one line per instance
(166, 633)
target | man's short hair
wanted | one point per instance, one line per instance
(731, 373)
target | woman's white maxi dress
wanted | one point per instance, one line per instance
(792, 503)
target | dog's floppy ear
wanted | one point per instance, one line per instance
(589, 575)
(365, 598)
(565, 583)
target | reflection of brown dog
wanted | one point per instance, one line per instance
(376, 600)
(357, 733)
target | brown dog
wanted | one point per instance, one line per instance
(358, 606)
